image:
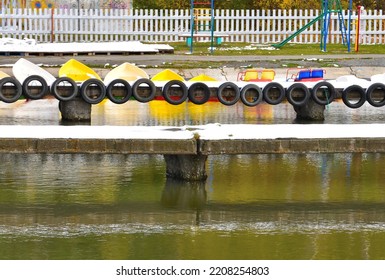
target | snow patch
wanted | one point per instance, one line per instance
(30, 46)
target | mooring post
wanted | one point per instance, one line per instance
(310, 111)
(186, 167)
(75, 110)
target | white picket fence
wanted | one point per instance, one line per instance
(251, 26)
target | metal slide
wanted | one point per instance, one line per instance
(303, 28)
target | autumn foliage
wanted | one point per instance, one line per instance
(254, 4)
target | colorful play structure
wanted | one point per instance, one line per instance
(202, 22)
(328, 8)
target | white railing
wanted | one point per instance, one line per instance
(251, 26)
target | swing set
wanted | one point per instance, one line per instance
(329, 7)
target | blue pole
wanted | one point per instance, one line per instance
(192, 25)
(350, 24)
(325, 24)
(212, 26)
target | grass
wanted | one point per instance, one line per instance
(260, 50)
(294, 53)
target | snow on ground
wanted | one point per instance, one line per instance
(288, 131)
(206, 132)
(31, 46)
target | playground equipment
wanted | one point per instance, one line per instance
(359, 26)
(202, 21)
(329, 7)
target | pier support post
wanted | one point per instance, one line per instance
(75, 110)
(186, 167)
(184, 194)
(310, 111)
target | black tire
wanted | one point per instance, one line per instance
(199, 87)
(358, 90)
(127, 90)
(329, 93)
(223, 98)
(86, 88)
(277, 90)
(35, 93)
(255, 100)
(371, 99)
(297, 88)
(18, 91)
(152, 90)
(73, 88)
(168, 89)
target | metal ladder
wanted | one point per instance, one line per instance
(202, 21)
(329, 7)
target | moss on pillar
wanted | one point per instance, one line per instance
(186, 167)
(310, 111)
(75, 110)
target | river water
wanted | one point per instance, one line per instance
(76, 206)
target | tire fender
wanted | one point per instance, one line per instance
(85, 87)
(127, 89)
(358, 90)
(271, 88)
(251, 88)
(17, 86)
(151, 86)
(55, 90)
(29, 93)
(297, 87)
(228, 86)
(330, 94)
(371, 90)
(199, 87)
(167, 90)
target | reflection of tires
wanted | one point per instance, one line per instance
(138, 90)
(10, 90)
(93, 91)
(372, 91)
(357, 92)
(228, 93)
(119, 91)
(175, 92)
(64, 89)
(251, 95)
(297, 94)
(323, 93)
(199, 93)
(35, 87)
(273, 93)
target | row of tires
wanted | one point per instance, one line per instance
(175, 92)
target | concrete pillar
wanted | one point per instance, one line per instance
(186, 167)
(310, 111)
(75, 110)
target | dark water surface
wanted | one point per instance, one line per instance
(314, 206)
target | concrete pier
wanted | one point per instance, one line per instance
(186, 167)
(310, 111)
(186, 148)
(75, 110)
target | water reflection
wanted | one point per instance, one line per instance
(184, 195)
(251, 207)
(312, 206)
(45, 112)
